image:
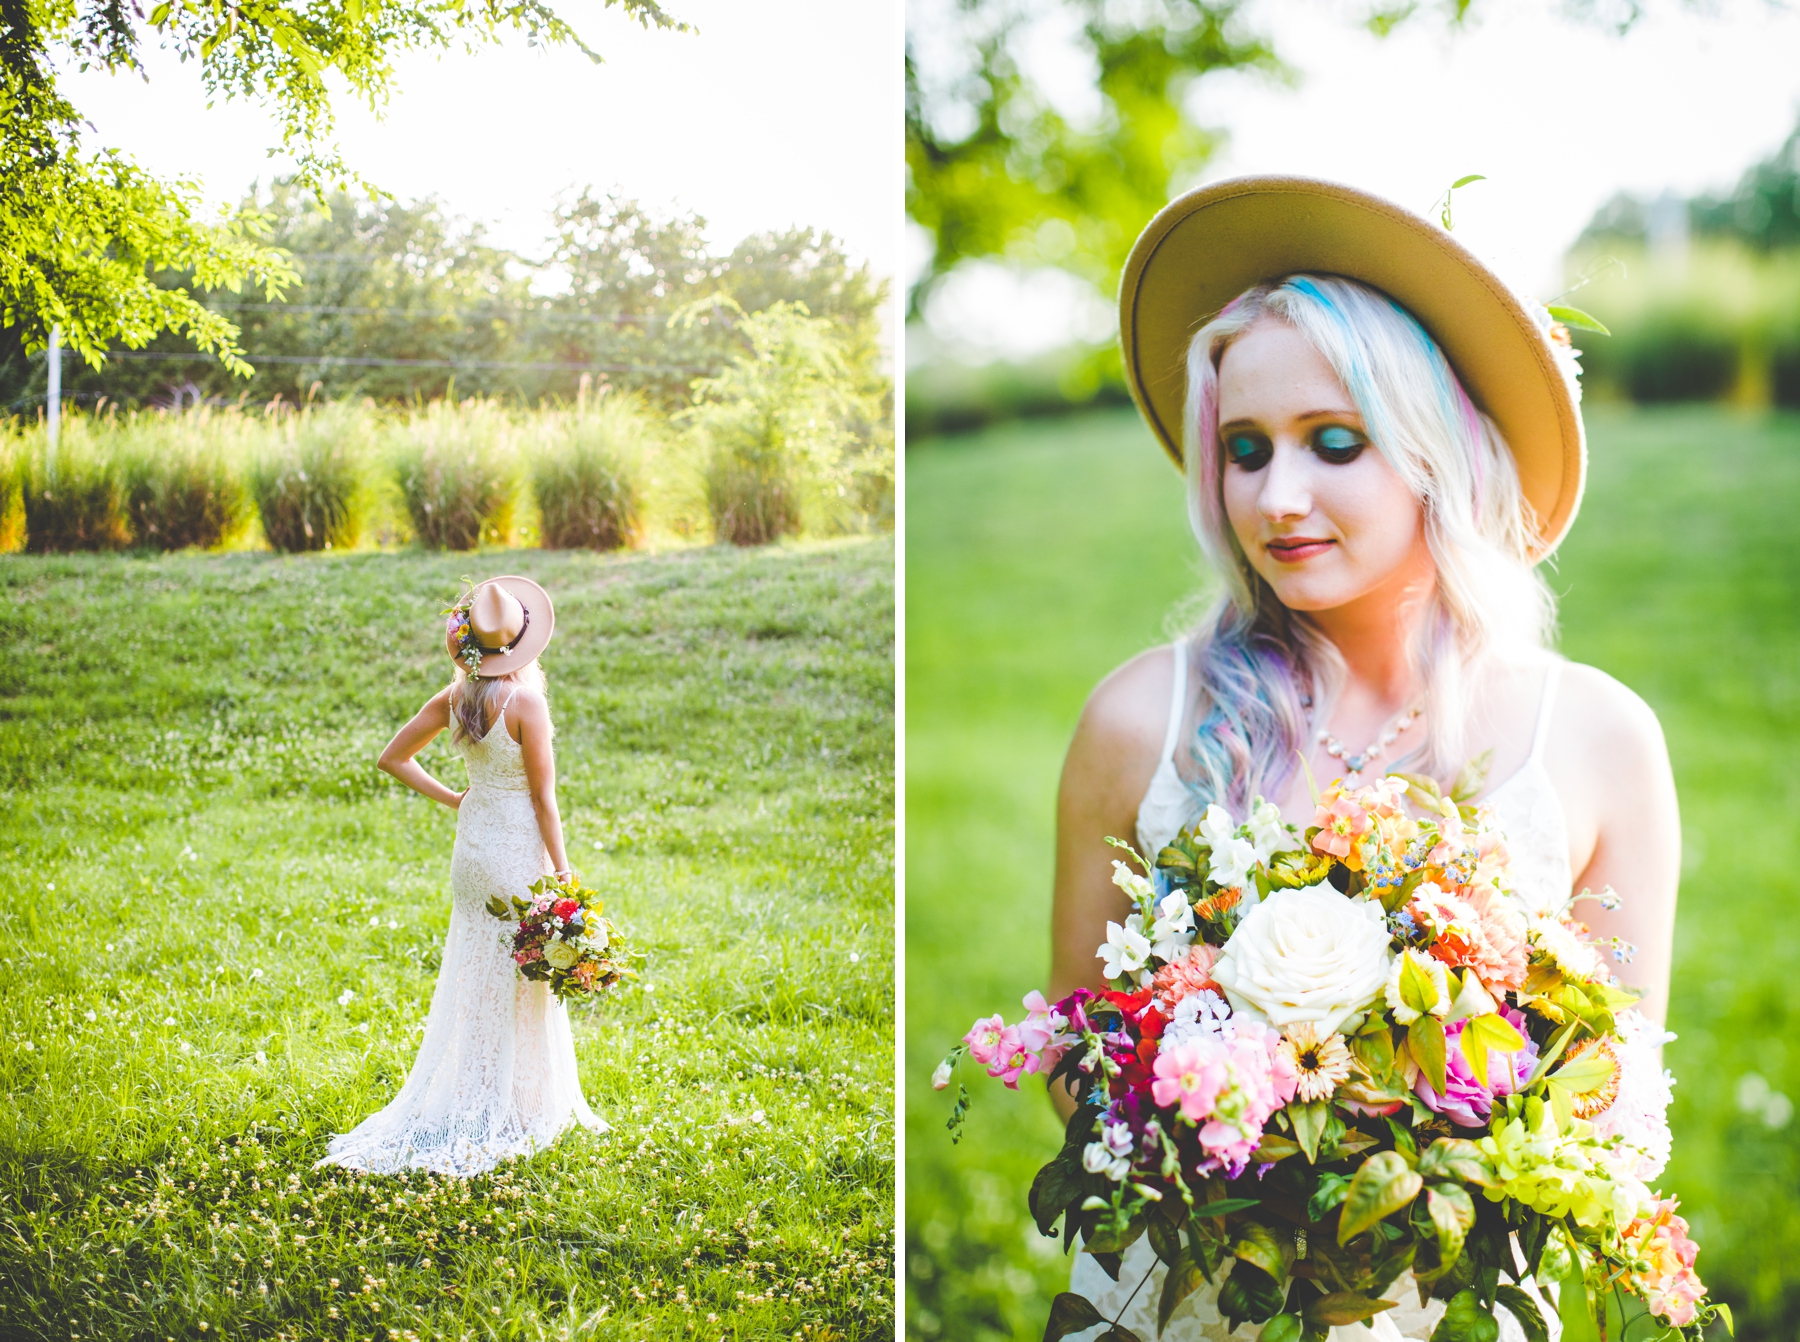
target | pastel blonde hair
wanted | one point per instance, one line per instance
(1255, 659)
(475, 701)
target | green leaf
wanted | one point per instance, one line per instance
(1456, 1158)
(1562, 1104)
(1452, 1213)
(1276, 1147)
(1523, 1308)
(1118, 1333)
(1281, 1328)
(1270, 1250)
(1425, 1037)
(1547, 1059)
(1225, 1206)
(1572, 1307)
(1466, 1321)
(1344, 1307)
(1309, 1126)
(1418, 989)
(1576, 317)
(1327, 1196)
(1420, 783)
(498, 907)
(1473, 774)
(1585, 1074)
(1182, 1280)
(1383, 1185)
(353, 10)
(1165, 1239)
(1461, 182)
(1725, 1314)
(1250, 1294)
(158, 14)
(1108, 1240)
(1481, 1034)
(1070, 1313)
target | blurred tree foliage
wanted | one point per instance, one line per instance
(995, 169)
(1761, 212)
(81, 233)
(623, 295)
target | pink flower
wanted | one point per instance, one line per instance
(983, 1039)
(1044, 1030)
(1013, 1059)
(1666, 1257)
(1465, 1100)
(1233, 1080)
(1189, 971)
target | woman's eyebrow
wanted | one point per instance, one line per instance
(1230, 425)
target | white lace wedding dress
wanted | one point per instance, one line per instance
(495, 1075)
(1530, 813)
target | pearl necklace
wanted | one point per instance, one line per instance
(1374, 750)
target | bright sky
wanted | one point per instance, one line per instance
(1558, 115)
(769, 116)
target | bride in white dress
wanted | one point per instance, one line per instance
(1376, 542)
(495, 1075)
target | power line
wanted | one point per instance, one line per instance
(370, 361)
(614, 318)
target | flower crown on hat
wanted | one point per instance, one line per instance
(469, 649)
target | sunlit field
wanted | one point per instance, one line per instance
(1042, 554)
(220, 926)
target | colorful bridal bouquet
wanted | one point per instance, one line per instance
(560, 936)
(1324, 1060)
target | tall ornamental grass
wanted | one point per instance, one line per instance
(74, 498)
(1713, 322)
(457, 474)
(182, 478)
(310, 478)
(588, 475)
(771, 425)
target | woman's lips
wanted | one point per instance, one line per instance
(1297, 549)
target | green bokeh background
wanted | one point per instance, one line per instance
(1042, 554)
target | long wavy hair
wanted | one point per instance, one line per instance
(1256, 660)
(475, 701)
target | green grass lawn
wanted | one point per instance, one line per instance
(1041, 555)
(220, 926)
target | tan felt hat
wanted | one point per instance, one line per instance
(510, 619)
(1210, 245)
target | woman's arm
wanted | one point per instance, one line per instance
(1104, 777)
(1612, 767)
(532, 714)
(398, 760)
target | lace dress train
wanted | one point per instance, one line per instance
(495, 1076)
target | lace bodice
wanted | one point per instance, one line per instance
(495, 1076)
(496, 762)
(1526, 806)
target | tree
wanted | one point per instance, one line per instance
(82, 234)
(994, 169)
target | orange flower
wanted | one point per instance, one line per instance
(1214, 905)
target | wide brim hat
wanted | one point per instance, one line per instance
(1208, 246)
(540, 623)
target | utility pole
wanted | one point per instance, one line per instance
(53, 407)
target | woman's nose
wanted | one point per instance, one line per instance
(1286, 492)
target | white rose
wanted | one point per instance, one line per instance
(1268, 833)
(1306, 955)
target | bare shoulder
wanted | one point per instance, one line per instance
(529, 708)
(1130, 707)
(1607, 715)
(437, 708)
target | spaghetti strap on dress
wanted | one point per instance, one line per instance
(495, 1075)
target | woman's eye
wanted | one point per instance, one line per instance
(1338, 445)
(1249, 450)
